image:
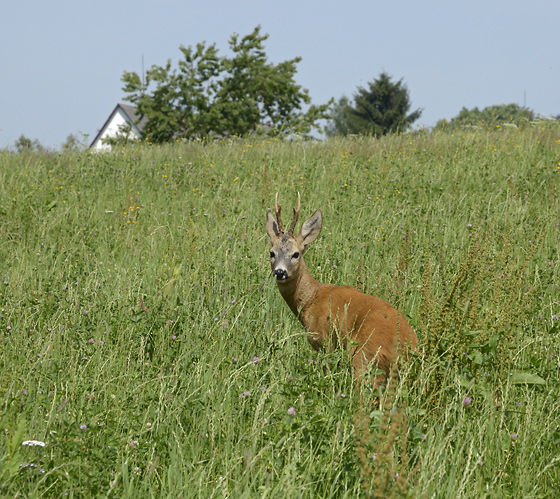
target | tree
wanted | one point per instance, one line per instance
(209, 94)
(338, 124)
(491, 116)
(380, 109)
(75, 143)
(25, 144)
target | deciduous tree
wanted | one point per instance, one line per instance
(490, 116)
(210, 94)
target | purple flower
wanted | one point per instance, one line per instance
(514, 436)
(424, 436)
(86, 312)
(90, 341)
(467, 401)
(83, 427)
(173, 338)
(256, 359)
(291, 411)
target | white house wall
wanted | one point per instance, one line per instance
(112, 129)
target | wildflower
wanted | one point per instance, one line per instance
(514, 436)
(83, 427)
(424, 436)
(33, 443)
(86, 312)
(134, 444)
(291, 411)
(173, 338)
(467, 401)
(480, 462)
(256, 359)
(90, 341)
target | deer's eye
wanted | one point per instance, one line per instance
(295, 255)
(272, 254)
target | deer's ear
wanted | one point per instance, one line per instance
(271, 225)
(311, 228)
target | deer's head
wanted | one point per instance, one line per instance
(287, 250)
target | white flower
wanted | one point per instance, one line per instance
(33, 443)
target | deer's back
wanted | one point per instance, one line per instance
(365, 319)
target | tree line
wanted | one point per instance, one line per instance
(209, 95)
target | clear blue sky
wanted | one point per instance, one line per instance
(62, 61)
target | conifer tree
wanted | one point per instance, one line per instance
(381, 108)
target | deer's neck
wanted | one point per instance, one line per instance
(300, 292)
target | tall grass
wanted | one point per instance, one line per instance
(143, 340)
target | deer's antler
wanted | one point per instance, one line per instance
(296, 216)
(278, 209)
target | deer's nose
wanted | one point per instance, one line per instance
(280, 274)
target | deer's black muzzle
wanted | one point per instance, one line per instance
(280, 274)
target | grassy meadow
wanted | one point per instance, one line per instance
(144, 343)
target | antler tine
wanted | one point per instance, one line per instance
(278, 209)
(296, 215)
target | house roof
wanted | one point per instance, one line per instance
(130, 112)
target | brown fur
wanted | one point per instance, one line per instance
(335, 316)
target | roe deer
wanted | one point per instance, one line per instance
(334, 316)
